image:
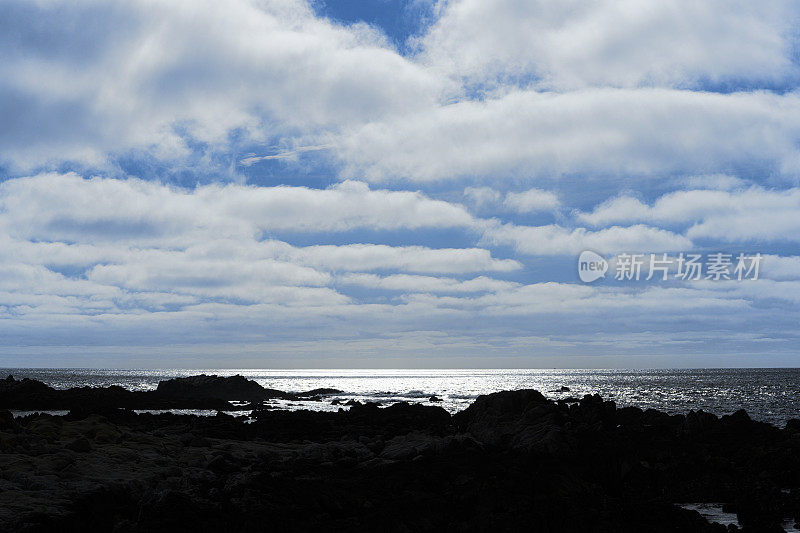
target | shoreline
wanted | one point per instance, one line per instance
(512, 459)
(765, 394)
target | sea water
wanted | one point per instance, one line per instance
(770, 395)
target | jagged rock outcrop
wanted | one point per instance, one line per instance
(216, 387)
(196, 392)
(511, 461)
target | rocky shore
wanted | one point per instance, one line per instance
(234, 393)
(511, 461)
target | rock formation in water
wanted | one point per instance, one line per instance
(194, 392)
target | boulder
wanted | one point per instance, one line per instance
(80, 445)
(7, 420)
(699, 421)
(517, 419)
(317, 392)
(216, 387)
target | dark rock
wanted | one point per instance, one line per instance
(409, 446)
(196, 441)
(199, 392)
(698, 421)
(793, 425)
(80, 445)
(506, 403)
(739, 418)
(569, 399)
(434, 399)
(630, 416)
(518, 419)
(6, 420)
(216, 387)
(220, 464)
(651, 417)
(511, 461)
(318, 392)
(358, 407)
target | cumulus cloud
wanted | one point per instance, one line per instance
(558, 240)
(499, 105)
(712, 181)
(150, 76)
(531, 201)
(369, 257)
(176, 78)
(528, 201)
(71, 245)
(780, 267)
(51, 207)
(579, 43)
(742, 215)
(418, 284)
(526, 133)
(482, 196)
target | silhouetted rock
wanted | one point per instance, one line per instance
(6, 420)
(318, 392)
(793, 425)
(569, 399)
(511, 461)
(195, 392)
(699, 421)
(522, 419)
(434, 399)
(216, 387)
(80, 444)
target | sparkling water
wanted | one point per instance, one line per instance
(767, 394)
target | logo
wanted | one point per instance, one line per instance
(591, 266)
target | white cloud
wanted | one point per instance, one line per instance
(594, 308)
(368, 257)
(153, 73)
(411, 283)
(763, 290)
(482, 196)
(622, 43)
(53, 207)
(131, 246)
(557, 240)
(607, 95)
(254, 281)
(528, 201)
(529, 134)
(741, 215)
(713, 181)
(780, 268)
(272, 72)
(531, 201)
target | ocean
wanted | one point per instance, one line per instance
(770, 395)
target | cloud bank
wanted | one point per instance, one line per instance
(252, 178)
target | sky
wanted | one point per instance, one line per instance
(396, 183)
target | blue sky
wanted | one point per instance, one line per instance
(286, 183)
